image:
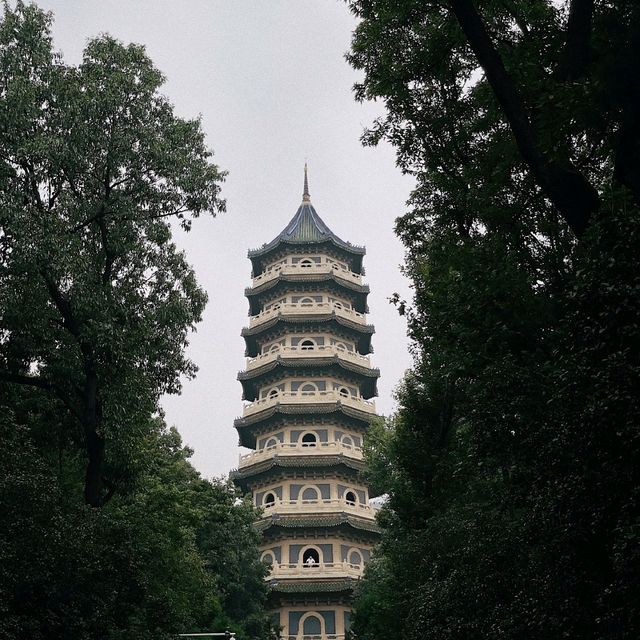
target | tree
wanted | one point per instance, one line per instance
(152, 563)
(95, 299)
(512, 464)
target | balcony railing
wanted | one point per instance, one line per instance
(294, 269)
(317, 506)
(323, 636)
(321, 570)
(297, 449)
(306, 352)
(316, 308)
(309, 397)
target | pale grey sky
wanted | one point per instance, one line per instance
(270, 81)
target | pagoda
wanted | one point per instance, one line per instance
(308, 385)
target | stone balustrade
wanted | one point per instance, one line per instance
(309, 397)
(304, 308)
(323, 636)
(298, 449)
(317, 570)
(331, 505)
(306, 352)
(295, 269)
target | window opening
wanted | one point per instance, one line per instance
(311, 558)
(310, 493)
(309, 440)
(347, 441)
(269, 500)
(312, 626)
(308, 389)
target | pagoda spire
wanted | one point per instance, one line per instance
(305, 193)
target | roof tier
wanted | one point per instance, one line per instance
(306, 229)
(362, 376)
(249, 429)
(290, 322)
(308, 522)
(279, 466)
(331, 282)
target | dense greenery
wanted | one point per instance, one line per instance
(176, 553)
(107, 531)
(512, 464)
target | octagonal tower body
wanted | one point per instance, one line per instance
(309, 386)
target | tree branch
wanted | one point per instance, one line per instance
(29, 381)
(576, 54)
(568, 190)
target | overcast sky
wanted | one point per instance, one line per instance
(271, 84)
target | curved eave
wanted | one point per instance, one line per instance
(276, 464)
(248, 428)
(299, 409)
(269, 247)
(314, 521)
(362, 332)
(350, 254)
(307, 586)
(360, 290)
(251, 380)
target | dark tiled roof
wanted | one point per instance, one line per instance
(313, 520)
(366, 377)
(305, 278)
(311, 362)
(306, 409)
(307, 586)
(247, 432)
(241, 476)
(305, 319)
(306, 227)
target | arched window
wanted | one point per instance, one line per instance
(269, 500)
(274, 347)
(347, 441)
(307, 302)
(309, 440)
(307, 345)
(271, 442)
(337, 304)
(273, 393)
(340, 346)
(312, 625)
(355, 558)
(351, 497)
(267, 558)
(344, 392)
(309, 389)
(310, 494)
(311, 557)
(306, 263)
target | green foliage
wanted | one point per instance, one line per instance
(176, 554)
(94, 164)
(96, 303)
(512, 464)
